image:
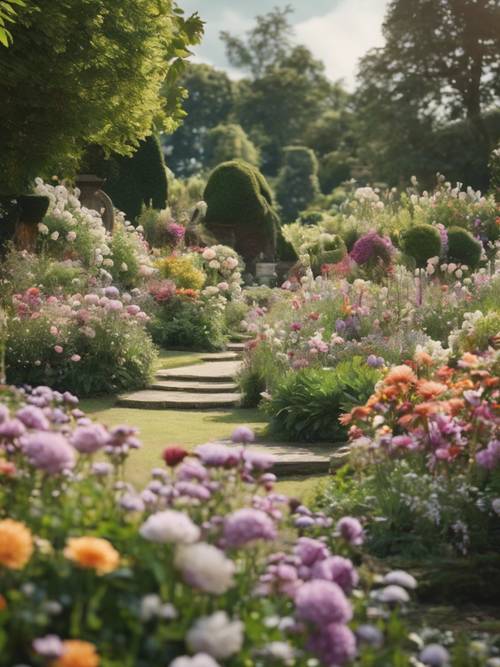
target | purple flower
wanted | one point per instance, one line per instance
(112, 292)
(321, 603)
(50, 452)
(192, 470)
(12, 428)
(4, 413)
(89, 439)
(334, 645)
(131, 502)
(176, 231)
(255, 460)
(193, 490)
(243, 434)
(216, 455)
(33, 417)
(50, 646)
(371, 635)
(489, 457)
(246, 525)
(434, 655)
(310, 551)
(102, 468)
(351, 530)
(372, 247)
(375, 362)
(337, 569)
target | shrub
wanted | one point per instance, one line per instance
(229, 142)
(241, 210)
(306, 405)
(421, 242)
(297, 185)
(463, 248)
(182, 270)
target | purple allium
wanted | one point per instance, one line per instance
(334, 645)
(304, 522)
(243, 434)
(89, 439)
(102, 468)
(434, 655)
(50, 647)
(322, 602)
(375, 362)
(131, 502)
(351, 530)
(372, 247)
(310, 551)
(246, 525)
(255, 460)
(191, 469)
(33, 417)
(217, 455)
(12, 428)
(371, 635)
(50, 452)
(70, 399)
(112, 292)
(192, 490)
(337, 569)
(170, 526)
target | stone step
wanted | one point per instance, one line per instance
(236, 347)
(220, 356)
(152, 399)
(211, 371)
(194, 387)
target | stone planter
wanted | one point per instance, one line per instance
(31, 209)
(92, 197)
(265, 273)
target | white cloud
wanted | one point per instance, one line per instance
(342, 36)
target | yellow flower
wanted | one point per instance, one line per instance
(16, 544)
(77, 654)
(92, 553)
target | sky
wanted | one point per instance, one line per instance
(338, 32)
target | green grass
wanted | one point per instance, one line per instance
(303, 488)
(175, 359)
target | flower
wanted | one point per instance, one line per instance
(243, 434)
(246, 525)
(170, 526)
(199, 660)
(205, 567)
(217, 455)
(334, 645)
(216, 635)
(337, 569)
(92, 553)
(400, 375)
(310, 551)
(49, 451)
(49, 646)
(434, 655)
(372, 247)
(16, 544)
(33, 417)
(428, 389)
(89, 439)
(322, 602)
(400, 578)
(392, 594)
(173, 455)
(351, 530)
(77, 653)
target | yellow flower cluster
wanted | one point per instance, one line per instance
(182, 271)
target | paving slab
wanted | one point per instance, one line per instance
(236, 347)
(220, 356)
(152, 399)
(211, 371)
(195, 387)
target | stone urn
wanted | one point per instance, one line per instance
(31, 211)
(265, 273)
(92, 197)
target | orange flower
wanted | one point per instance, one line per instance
(77, 654)
(428, 408)
(400, 375)
(455, 405)
(360, 412)
(423, 358)
(468, 360)
(429, 389)
(16, 544)
(7, 468)
(92, 553)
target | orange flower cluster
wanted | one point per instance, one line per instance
(92, 553)
(77, 653)
(16, 544)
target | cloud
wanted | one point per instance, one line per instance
(342, 36)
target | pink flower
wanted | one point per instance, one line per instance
(75, 357)
(58, 349)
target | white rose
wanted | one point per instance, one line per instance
(216, 635)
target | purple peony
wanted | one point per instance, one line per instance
(372, 247)
(322, 603)
(337, 569)
(351, 530)
(33, 417)
(50, 452)
(246, 525)
(89, 439)
(334, 645)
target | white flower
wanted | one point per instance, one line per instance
(392, 594)
(170, 526)
(209, 254)
(71, 236)
(216, 635)
(107, 262)
(214, 264)
(124, 267)
(205, 567)
(43, 229)
(199, 660)
(400, 578)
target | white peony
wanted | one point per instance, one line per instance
(216, 635)
(205, 567)
(199, 660)
(170, 526)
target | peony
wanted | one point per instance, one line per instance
(50, 452)
(16, 544)
(92, 553)
(205, 567)
(209, 254)
(216, 635)
(170, 526)
(76, 653)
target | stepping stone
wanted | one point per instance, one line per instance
(195, 387)
(236, 347)
(212, 371)
(220, 356)
(152, 399)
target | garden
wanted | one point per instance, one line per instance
(249, 362)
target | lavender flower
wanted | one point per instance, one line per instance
(337, 569)
(33, 417)
(12, 428)
(50, 647)
(217, 455)
(243, 434)
(310, 551)
(246, 525)
(50, 452)
(351, 530)
(434, 655)
(322, 602)
(334, 645)
(89, 439)
(372, 247)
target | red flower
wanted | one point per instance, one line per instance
(174, 455)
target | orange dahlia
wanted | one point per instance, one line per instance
(400, 375)
(77, 653)
(429, 389)
(92, 553)
(16, 544)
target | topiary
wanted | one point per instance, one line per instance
(421, 242)
(297, 185)
(240, 210)
(229, 141)
(463, 247)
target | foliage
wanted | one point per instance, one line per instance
(111, 59)
(160, 228)
(7, 15)
(463, 248)
(297, 186)
(229, 142)
(306, 405)
(421, 242)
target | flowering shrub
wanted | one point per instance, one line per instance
(193, 569)
(160, 228)
(223, 267)
(92, 343)
(182, 270)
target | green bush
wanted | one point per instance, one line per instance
(240, 209)
(297, 185)
(229, 142)
(463, 247)
(422, 242)
(306, 405)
